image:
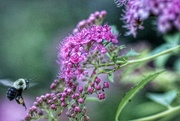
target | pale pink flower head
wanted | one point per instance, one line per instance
(165, 12)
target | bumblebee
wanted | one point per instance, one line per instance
(16, 88)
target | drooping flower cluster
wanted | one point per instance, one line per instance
(167, 13)
(94, 18)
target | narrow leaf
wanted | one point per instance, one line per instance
(92, 99)
(114, 30)
(177, 65)
(163, 99)
(175, 38)
(122, 47)
(108, 55)
(111, 77)
(161, 60)
(107, 69)
(132, 53)
(129, 95)
(162, 48)
(122, 58)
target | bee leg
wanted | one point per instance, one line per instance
(24, 105)
(20, 100)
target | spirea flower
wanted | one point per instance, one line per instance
(166, 12)
(77, 53)
(75, 49)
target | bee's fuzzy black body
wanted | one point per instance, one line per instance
(13, 93)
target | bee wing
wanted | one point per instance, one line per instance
(6, 82)
(32, 84)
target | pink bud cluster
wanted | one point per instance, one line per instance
(45, 104)
(72, 96)
(57, 85)
(78, 94)
(167, 13)
(41, 105)
(94, 18)
(96, 87)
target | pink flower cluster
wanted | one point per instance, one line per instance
(75, 53)
(84, 48)
(75, 49)
(94, 18)
(167, 13)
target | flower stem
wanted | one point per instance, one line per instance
(125, 63)
(151, 57)
(159, 115)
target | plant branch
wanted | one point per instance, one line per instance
(159, 115)
(125, 63)
(177, 48)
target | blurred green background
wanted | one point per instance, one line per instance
(30, 31)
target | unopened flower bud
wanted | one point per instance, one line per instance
(90, 90)
(98, 87)
(80, 88)
(97, 80)
(101, 96)
(28, 117)
(53, 107)
(34, 108)
(80, 100)
(76, 109)
(85, 118)
(106, 85)
(63, 104)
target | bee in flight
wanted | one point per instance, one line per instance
(16, 88)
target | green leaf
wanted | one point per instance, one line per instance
(122, 47)
(108, 55)
(92, 99)
(161, 61)
(129, 95)
(111, 77)
(163, 99)
(132, 53)
(114, 30)
(177, 65)
(162, 47)
(107, 69)
(122, 58)
(175, 38)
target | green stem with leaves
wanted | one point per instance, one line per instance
(125, 63)
(131, 93)
(177, 48)
(159, 115)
